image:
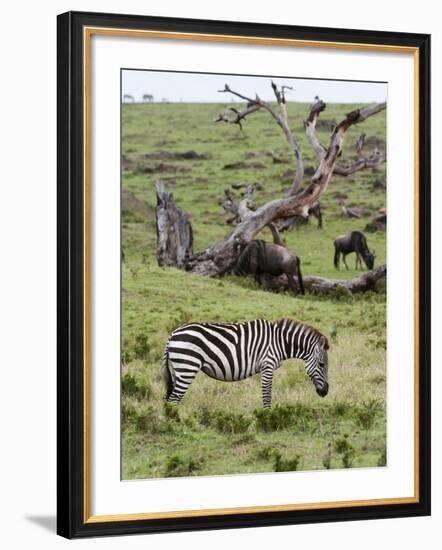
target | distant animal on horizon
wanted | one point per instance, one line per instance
(356, 242)
(235, 351)
(148, 97)
(259, 257)
(127, 98)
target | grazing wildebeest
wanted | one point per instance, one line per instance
(260, 257)
(355, 241)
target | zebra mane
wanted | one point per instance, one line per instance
(285, 322)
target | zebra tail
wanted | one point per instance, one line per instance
(169, 382)
(301, 282)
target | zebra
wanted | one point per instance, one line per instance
(235, 351)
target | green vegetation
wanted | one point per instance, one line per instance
(221, 428)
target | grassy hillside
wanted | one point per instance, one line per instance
(220, 427)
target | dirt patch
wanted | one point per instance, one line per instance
(258, 154)
(140, 162)
(241, 165)
(279, 160)
(162, 167)
(171, 155)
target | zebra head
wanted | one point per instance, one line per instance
(316, 365)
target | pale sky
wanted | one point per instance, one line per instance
(202, 88)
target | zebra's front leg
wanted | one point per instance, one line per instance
(266, 384)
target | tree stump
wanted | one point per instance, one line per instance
(174, 231)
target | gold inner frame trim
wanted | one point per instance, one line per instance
(87, 34)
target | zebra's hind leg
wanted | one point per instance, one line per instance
(266, 384)
(184, 375)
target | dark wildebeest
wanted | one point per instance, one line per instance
(260, 257)
(354, 241)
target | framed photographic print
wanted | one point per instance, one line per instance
(232, 349)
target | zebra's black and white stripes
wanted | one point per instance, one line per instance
(235, 351)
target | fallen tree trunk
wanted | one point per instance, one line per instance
(174, 231)
(318, 285)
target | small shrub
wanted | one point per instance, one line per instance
(326, 461)
(285, 465)
(129, 413)
(171, 412)
(205, 417)
(232, 423)
(341, 408)
(141, 346)
(225, 422)
(149, 421)
(126, 355)
(130, 386)
(300, 417)
(382, 460)
(265, 453)
(145, 419)
(179, 466)
(277, 418)
(378, 379)
(367, 412)
(344, 448)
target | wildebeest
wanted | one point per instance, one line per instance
(355, 241)
(260, 257)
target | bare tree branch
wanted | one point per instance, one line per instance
(237, 116)
(310, 128)
(281, 119)
(363, 162)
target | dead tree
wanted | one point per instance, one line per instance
(174, 231)
(234, 116)
(220, 257)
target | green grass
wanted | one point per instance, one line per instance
(220, 428)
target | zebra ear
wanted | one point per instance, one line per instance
(323, 342)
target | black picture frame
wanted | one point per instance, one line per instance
(72, 520)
